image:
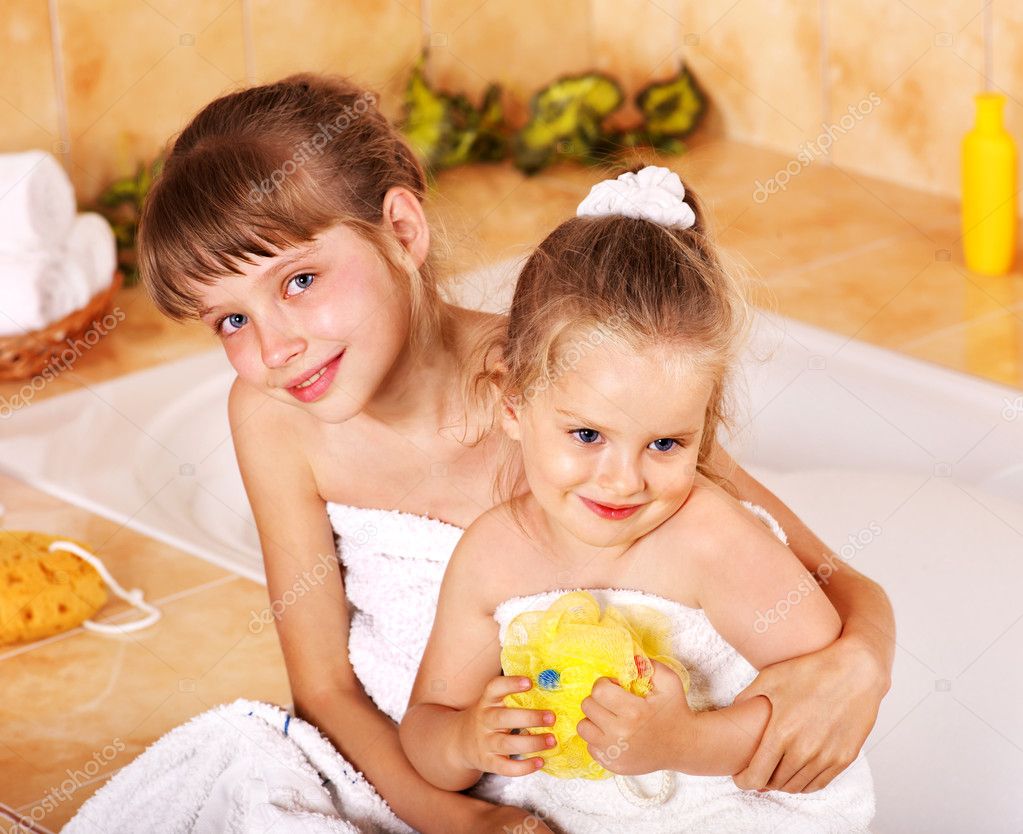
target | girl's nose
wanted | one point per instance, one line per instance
(278, 347)
(620, 476)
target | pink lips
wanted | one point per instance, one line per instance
(611, 513)
(318, 388)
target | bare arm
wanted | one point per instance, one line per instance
(738, 594)
(823, 705)
(456, 726)
(868, 622)
(297, 542)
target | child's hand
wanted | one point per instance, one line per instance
(631, 735)
(486, 740)
(502, 819)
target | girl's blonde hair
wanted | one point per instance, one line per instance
(623, 281)
(267, 168)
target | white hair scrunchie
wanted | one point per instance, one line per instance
(654, 194)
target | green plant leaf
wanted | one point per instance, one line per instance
(566, 119)
(671, 108)
(446, 130)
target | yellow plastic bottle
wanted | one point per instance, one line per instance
(989, 190)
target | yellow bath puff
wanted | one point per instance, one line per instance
(565, 649)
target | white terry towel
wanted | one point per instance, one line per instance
(23, 300)
(245, 767)
(91, 244)
(67, 289)
(37, 202)
(38, 289)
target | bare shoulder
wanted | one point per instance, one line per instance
(712, 523)
(742, 571)
(491, 557)
(251, 411)
(267, 442)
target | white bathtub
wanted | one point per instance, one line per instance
(913, 472)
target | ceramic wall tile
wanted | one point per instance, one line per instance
(28, 94)
(136, 73)
(374, 42)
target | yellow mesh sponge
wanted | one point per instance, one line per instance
(565, 649)
(43, 593)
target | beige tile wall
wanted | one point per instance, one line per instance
(776, 71)
(28, 102)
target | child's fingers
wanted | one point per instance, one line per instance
(503, 766)
(509, 718)
(597, 713)
(500, 686)
(612, 697)
(509, 745)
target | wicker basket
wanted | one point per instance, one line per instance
(26, 354)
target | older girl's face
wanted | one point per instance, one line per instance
(318, 327)
(610, 449)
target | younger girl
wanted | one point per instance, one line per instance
(621, 335)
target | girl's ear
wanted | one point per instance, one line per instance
(510, 416)
(403, 213)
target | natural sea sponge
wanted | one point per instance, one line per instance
(43, 593)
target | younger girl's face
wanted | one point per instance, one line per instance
(610, 449)
(318, 327)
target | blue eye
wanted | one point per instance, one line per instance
(663, 444)
(586, 435)
(303, 282)
(235, 320)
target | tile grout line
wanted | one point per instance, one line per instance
(103, 777)
(834, 257)
(177, 595)
(59, 86)
(248, 42)
(950, 329)
(825, 55)
(30, 825)
(425, 20)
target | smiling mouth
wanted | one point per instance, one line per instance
(315, 375)
(609, 511)
(316, 384)
(313, 378)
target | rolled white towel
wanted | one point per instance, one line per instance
(38, 289)
(37, 202)
(23, 298)
(68, 288)
(91, 243)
